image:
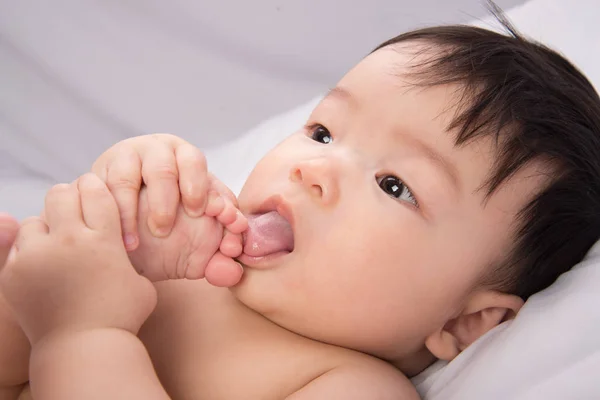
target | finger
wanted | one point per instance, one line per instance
(124, 180)
(98, 206)
(223, 271)
(8, 234)
(193, 179)
(159, 171)
(100, 166)
(231, 244)
(63, 208)
(31, 228)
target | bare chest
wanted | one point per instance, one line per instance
(205, 345)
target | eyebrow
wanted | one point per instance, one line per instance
(437, 159)
(429, 152)
(342, 94)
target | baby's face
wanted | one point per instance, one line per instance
(391, 231)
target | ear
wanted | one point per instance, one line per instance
(483, 311)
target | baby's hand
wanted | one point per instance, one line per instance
(168, 166)
(193, 245)
(190, 251)
(72, 271)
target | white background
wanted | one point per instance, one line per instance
(206, 70)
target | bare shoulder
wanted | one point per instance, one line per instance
(365, 379)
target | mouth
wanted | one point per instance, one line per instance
(270, 233)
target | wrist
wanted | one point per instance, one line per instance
(66, 337)
(102, 363)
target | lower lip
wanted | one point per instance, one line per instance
(262, 262)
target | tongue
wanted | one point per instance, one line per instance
(268, 234)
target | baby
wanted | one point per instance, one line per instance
(448, 176)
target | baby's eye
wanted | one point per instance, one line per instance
(394, 187)
(321, 134)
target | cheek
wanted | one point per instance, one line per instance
(387, 272)
(270, 172)
(368, 265)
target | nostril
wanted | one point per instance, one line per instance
(296, 175)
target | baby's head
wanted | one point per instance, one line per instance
(450, 175)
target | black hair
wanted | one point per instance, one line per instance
(537, 106)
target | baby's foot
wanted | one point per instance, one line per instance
(196, 248)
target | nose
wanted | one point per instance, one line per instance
(320, 177)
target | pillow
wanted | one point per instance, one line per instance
(552, 349)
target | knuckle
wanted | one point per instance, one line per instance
(60, 187)
(164, 171)
(92, 181)
(100, 168)
(94, 191)
(123, 182)
(199, 158)
(189, 154)
(163, 136)
(58, 190)
(129, 142)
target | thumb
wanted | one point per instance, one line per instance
(8, 232)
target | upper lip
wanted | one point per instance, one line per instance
(277, 203)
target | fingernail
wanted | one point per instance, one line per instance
(193, 212)
(7, 234)
(158, 231)
(130, 240)
(6, 238)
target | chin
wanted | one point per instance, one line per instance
(252, 291)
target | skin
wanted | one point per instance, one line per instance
(372, 276)
(400, 268)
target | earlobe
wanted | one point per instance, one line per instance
(483, 311)
(443, 345)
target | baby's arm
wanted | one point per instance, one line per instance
(79, 301)
(102, 363)
(14, 354)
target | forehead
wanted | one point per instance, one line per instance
(384, 92)
(382, 84)
(383, 97)
(389, 65)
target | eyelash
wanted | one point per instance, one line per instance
(313, 129)
(398, 184)
(317, 130)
